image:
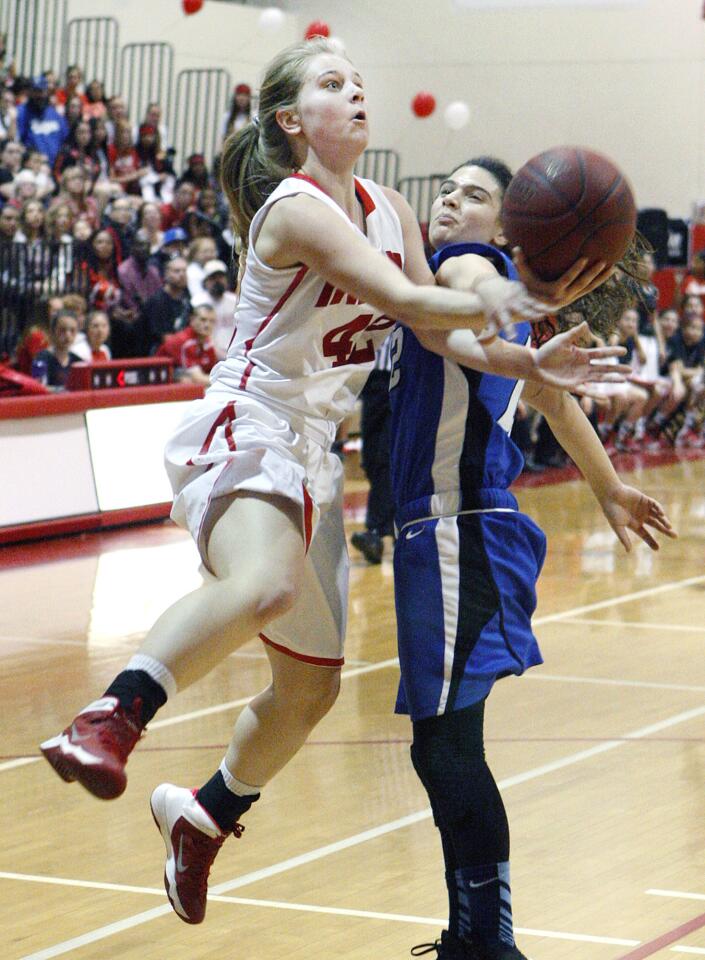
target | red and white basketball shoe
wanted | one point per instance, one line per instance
(94, 748)
(192, 839)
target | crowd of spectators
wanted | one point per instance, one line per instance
(106, 250)
(662, 403)
(93, 209)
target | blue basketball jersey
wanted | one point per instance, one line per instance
(452, 436)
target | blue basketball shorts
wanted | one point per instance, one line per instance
(465, 592)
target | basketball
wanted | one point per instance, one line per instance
(567, 203)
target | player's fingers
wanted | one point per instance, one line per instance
(573, 273)
(646, 537)
(666, 529)
(599, 353)
(585, 280)
(623, 537)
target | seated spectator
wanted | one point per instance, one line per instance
(52, 82)
(98, 334)
(10, 165)
(153, 160)
(74, 191)
(694, 280)
(196, 172)
(199, 253)
(150, 220)
(25, 188)
(118, 221)
(126, 168)
(8, 115)
(687, 348)
(8, 69)
(35, 336)
(9, 224)
(173, 213)
(74, 111)
(71, 88)
(117, 113)
(37, 164)
(168, 310)
(153, 118)
(215, 293)
(239, 112)
(102, 268)
(139, 279)
(622, 425)
(692, 307)
(39, 125)
(77, 305)
(192, 349)
(99, 140)
(77, 151)
(174, 245)
(32, 218)
(210, 206)
(95, 107)
(59, 356)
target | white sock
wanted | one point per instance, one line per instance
(156, 670)
(236, 786)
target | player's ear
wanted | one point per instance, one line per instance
(499, 239)
(289, 121)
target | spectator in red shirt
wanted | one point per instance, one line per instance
(95, 101)
(125, 165)
(71, 87)
(173, 213)
(192, 349)
(36, 336)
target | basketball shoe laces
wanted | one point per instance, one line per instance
(120, 730)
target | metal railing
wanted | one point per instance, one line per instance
(382, 166)
(420, 192)
(29, 275)
(92, 44)
(196, 112)
(35, 30)
(146, 76)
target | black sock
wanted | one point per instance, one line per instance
(130, 685)
(222, 804)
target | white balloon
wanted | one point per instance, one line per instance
(270, 20)
(456, 115)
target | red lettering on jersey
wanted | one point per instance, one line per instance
(340, 343)
(329, 295)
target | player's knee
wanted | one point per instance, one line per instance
(316, 695)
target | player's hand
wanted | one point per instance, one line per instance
(505, 302)
(562, 362)
(578, 280)
(627, 508)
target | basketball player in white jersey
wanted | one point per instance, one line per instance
(254, 478)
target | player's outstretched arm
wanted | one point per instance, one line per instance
(625, 508)
(302, 230)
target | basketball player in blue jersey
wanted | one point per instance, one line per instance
(466, 561)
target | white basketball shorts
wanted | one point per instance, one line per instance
(229, 442)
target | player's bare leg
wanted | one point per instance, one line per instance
(256, 551)
(268, 732)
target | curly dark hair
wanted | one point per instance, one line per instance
(603, 307)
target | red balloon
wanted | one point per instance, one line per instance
(317, 29)
(191, 6)
(423, 104)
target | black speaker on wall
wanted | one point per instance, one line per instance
(653, 224)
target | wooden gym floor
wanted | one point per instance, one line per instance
(599, 754)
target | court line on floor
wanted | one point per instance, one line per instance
(681, 627)
(610, 682)
(394, 661)
(311, 856)
(677, 894)
(648, 949)
(699, 950)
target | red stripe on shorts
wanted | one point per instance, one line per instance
(301, 273)
(317, 661)
(226, 415)
(308, 517)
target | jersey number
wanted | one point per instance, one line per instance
(395, 345)
(340, 343)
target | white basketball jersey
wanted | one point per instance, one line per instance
(298, 341)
